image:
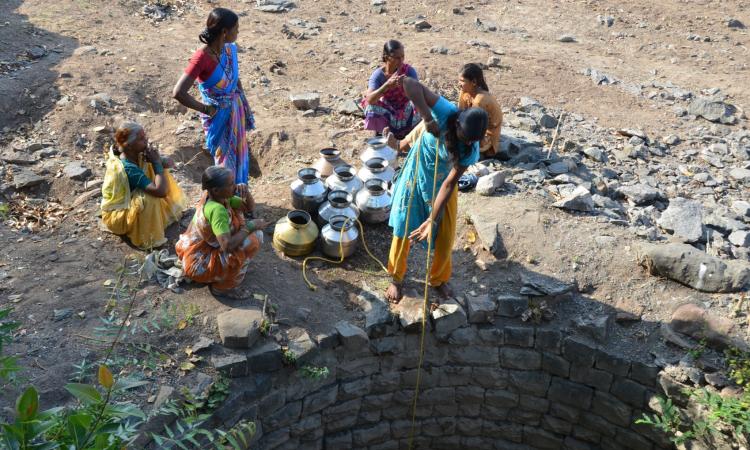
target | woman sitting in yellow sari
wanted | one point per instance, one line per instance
(217, 246)
(140, 198)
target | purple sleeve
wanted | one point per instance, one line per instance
(376, 79)
(412, 73)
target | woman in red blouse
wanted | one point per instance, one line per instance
(224, 110)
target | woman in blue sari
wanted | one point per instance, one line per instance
(224, 110)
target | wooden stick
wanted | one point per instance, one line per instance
(554, 136)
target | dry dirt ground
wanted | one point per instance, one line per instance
(138, 60)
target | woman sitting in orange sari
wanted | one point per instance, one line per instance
(217, 246)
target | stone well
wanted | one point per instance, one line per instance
(502, 385)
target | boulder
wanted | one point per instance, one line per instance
(350, 108)
(735, 23)
(306, 101)
(481, 308)
(274, 6)
(448, 317)
(595, 327)
(741, 207)
(409, 311)
(713, 110)
(640, 194)
(488, 184)
(76, 171)
(239, 328)
(18, 157)
(740, 238)
(566, 38)
(538, 285)
(375, 307)
(740, 174)
(696, 322)
(547, 121)
(421, 25)
(486, 223)
(684, 219)
(352, 337)
(301, 345)
(24, 178)
(579, 200)
(692, 267)
(595, 153)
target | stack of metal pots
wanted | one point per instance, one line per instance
(335, 195)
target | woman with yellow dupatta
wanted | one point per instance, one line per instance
(140, 198)
(217, 246)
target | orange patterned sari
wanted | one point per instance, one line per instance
(202, 257)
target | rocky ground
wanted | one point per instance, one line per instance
(652, 147)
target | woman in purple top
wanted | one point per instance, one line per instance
(385, 102)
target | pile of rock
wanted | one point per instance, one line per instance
(688, 188)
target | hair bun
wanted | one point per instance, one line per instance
(205, 36)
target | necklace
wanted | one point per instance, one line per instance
(218, 58)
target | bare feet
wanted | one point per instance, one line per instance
(445, 290)
(394, 294)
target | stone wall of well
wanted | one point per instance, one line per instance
(488, 386)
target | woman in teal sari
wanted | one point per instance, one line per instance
(440, 150)
(224, 110)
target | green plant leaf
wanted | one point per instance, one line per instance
(85, 393)
(27, 404)
(78, 427)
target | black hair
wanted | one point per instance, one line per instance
(215, 177)
(219, 19)
(390, 47)
(475, 122)
(473, 72)
(451, 137)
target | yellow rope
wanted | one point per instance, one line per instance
(341, 253)
(424, 302)
(398, 258)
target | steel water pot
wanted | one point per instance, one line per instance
(376, 168)
(330, 158)
(339, 203)
(374, 202)
(339, 235)
(308, 191)
(378, 148)
(295, 234)
(344, 178)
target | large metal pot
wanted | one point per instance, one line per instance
(330, 158)
(374, 202)
(340, 234)
(308, 191)
(378, 148)
(339, 204)
(344, 178)
(295, 234)
(376, 168)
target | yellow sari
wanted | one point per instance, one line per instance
(139, 216)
